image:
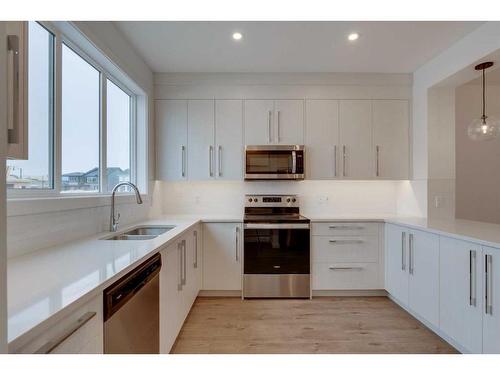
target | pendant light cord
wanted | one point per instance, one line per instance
(484, 99)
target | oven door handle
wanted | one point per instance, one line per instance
(276, 226)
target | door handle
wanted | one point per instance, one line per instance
(335, 161)
(184, 263)
(377, 167)
(210, 160)
(346, 268)
(183, 161)
(195, 234)
(472, 277)
(345, 241)
(179, 250)
(411, 255)
(343, 160)
(279, 112)
(489, 284)
(269, 127)
(403, 251)
(220, 161)
(236, 231)
(14, 89)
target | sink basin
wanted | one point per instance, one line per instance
(142, 233)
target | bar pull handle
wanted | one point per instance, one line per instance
(411, 267)
(489, 284)
(195, 234)
(279, 113)
(184, 278)
(335, 161)
(220, 161)
(403, 251)
(345, 241)
(269, 125)
(472, 278)
(236, 232)
(346, 227)
(343, 160)
(377, 168)
(183, 161)
(50, 346)
(14, 89)
(345, 268)
(210, 160)
(181, 278)
(294, 162)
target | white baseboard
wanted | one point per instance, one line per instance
(219, 293)
(349, 293)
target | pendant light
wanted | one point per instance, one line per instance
(484, 128)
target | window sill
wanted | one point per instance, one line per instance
(32, 206)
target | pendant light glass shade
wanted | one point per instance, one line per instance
(484, 128)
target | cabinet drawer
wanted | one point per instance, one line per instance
(344, 249)
(87, 338)
(344, 229)
(338, 276)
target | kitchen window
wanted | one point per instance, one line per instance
(82, 122)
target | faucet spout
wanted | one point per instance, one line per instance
(113, 221)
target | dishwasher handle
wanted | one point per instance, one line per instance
(117, 294)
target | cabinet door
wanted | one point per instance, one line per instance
(491, 301)
(201, 149)
(289, 122)
(423, 268)
(396, 256)
(171, 139)
(356, 154)
(460, 291)
(171, 298)
(229, 139)
(390, 138)
(322, 137)
(222, 256)
(259, 122)
(193, 268)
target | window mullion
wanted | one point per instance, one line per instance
(133, 140)
(103, 136)
(57, 152)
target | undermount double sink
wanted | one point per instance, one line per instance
(142, 233)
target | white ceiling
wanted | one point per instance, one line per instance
(384, 47)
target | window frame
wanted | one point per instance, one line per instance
(56, 140)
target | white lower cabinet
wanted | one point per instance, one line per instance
(491, 300)
(81, 332)
(180, 277)
(461, 291)
(222, 256)
(412, 259)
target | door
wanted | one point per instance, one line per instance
(397, 262)
(423, 270)
(390, 138)
(356, 155)
(201, 149)
(289, 122)
(259, 122)
(322, 138)
(171, 297)
(229, 139)
(460, 291)
(171, 139)
(222, 256)
(491, 301)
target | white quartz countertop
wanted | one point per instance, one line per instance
(44, 284)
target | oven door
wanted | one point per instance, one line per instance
(275, 249)
(274, 163)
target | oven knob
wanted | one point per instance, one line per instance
(294, 200)
(288, 200)
(255, 200)
(250, 200)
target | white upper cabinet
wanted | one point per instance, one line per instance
(356, 157)
(390, 138)
(461, 291)
(259, 122)
(396, 258)
(171, 139)
(201, 150)
(423, 270)
(229, 139)
(274, 122)
(289, 122)
(322, 139)
(491, 300)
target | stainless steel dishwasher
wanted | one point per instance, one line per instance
(132, 311)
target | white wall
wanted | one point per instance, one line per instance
(3, 249)
(29, 231)
(459, 58)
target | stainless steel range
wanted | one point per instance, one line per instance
(276, 248)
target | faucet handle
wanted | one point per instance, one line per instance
(117, 220)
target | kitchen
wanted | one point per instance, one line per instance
(273, 198)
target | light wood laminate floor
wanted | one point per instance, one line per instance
(320, 325)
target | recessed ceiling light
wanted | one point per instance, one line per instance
(237, 36)
(353, 36)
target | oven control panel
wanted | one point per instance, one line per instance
(271, 201)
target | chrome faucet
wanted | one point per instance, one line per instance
(114, 221)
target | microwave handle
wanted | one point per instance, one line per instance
(294, 162)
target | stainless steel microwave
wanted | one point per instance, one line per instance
(274, 162)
